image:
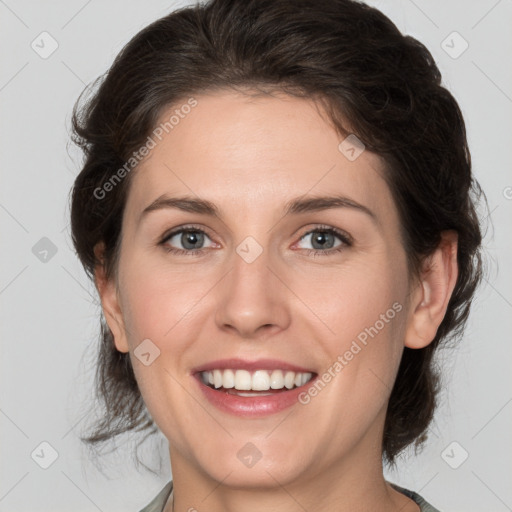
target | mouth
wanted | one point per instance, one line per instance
(257, 389)
(256, 383)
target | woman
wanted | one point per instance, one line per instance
(278, 211)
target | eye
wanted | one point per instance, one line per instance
(189, 237)
(323, 240)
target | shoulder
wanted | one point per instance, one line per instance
(159, 501)
(421, 502)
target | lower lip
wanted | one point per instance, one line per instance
(252, 407)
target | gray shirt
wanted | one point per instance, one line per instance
(158, 503)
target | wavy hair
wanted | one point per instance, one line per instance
(351, 57)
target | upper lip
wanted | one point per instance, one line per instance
(241, 364)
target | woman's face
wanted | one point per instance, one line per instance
(262, 280)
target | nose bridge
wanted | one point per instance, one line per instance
(252, 296)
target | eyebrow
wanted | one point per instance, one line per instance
(295, 206)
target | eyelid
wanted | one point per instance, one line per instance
(307, 231)
(342, 234)
(186, 227)
(345, 237)
(181, 229)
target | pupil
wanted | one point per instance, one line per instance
(192, 238)
(321, 239)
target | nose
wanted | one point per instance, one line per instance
(253, 300)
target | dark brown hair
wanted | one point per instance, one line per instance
(385, 85)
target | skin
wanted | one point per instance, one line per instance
(250, 156)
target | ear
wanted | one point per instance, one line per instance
(430, 298)
(110, 301)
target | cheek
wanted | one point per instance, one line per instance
(362, 357)
(162, 306)
(157, 299)
(353, 298)
(364, 308)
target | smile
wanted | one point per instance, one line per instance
(234, 381)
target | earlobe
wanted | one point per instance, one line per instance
(110, 301)
(430, 299)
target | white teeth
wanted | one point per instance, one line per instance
(276, 379)
(228, 379)
(217, 378)
(241, 393)
(289, 379)
(243, 380)
(260, 380)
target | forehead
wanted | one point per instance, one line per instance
(242, 152)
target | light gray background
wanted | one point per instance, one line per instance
(49, 318)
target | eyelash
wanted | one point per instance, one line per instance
(344, 237)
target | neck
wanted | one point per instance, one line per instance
(354, 483)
